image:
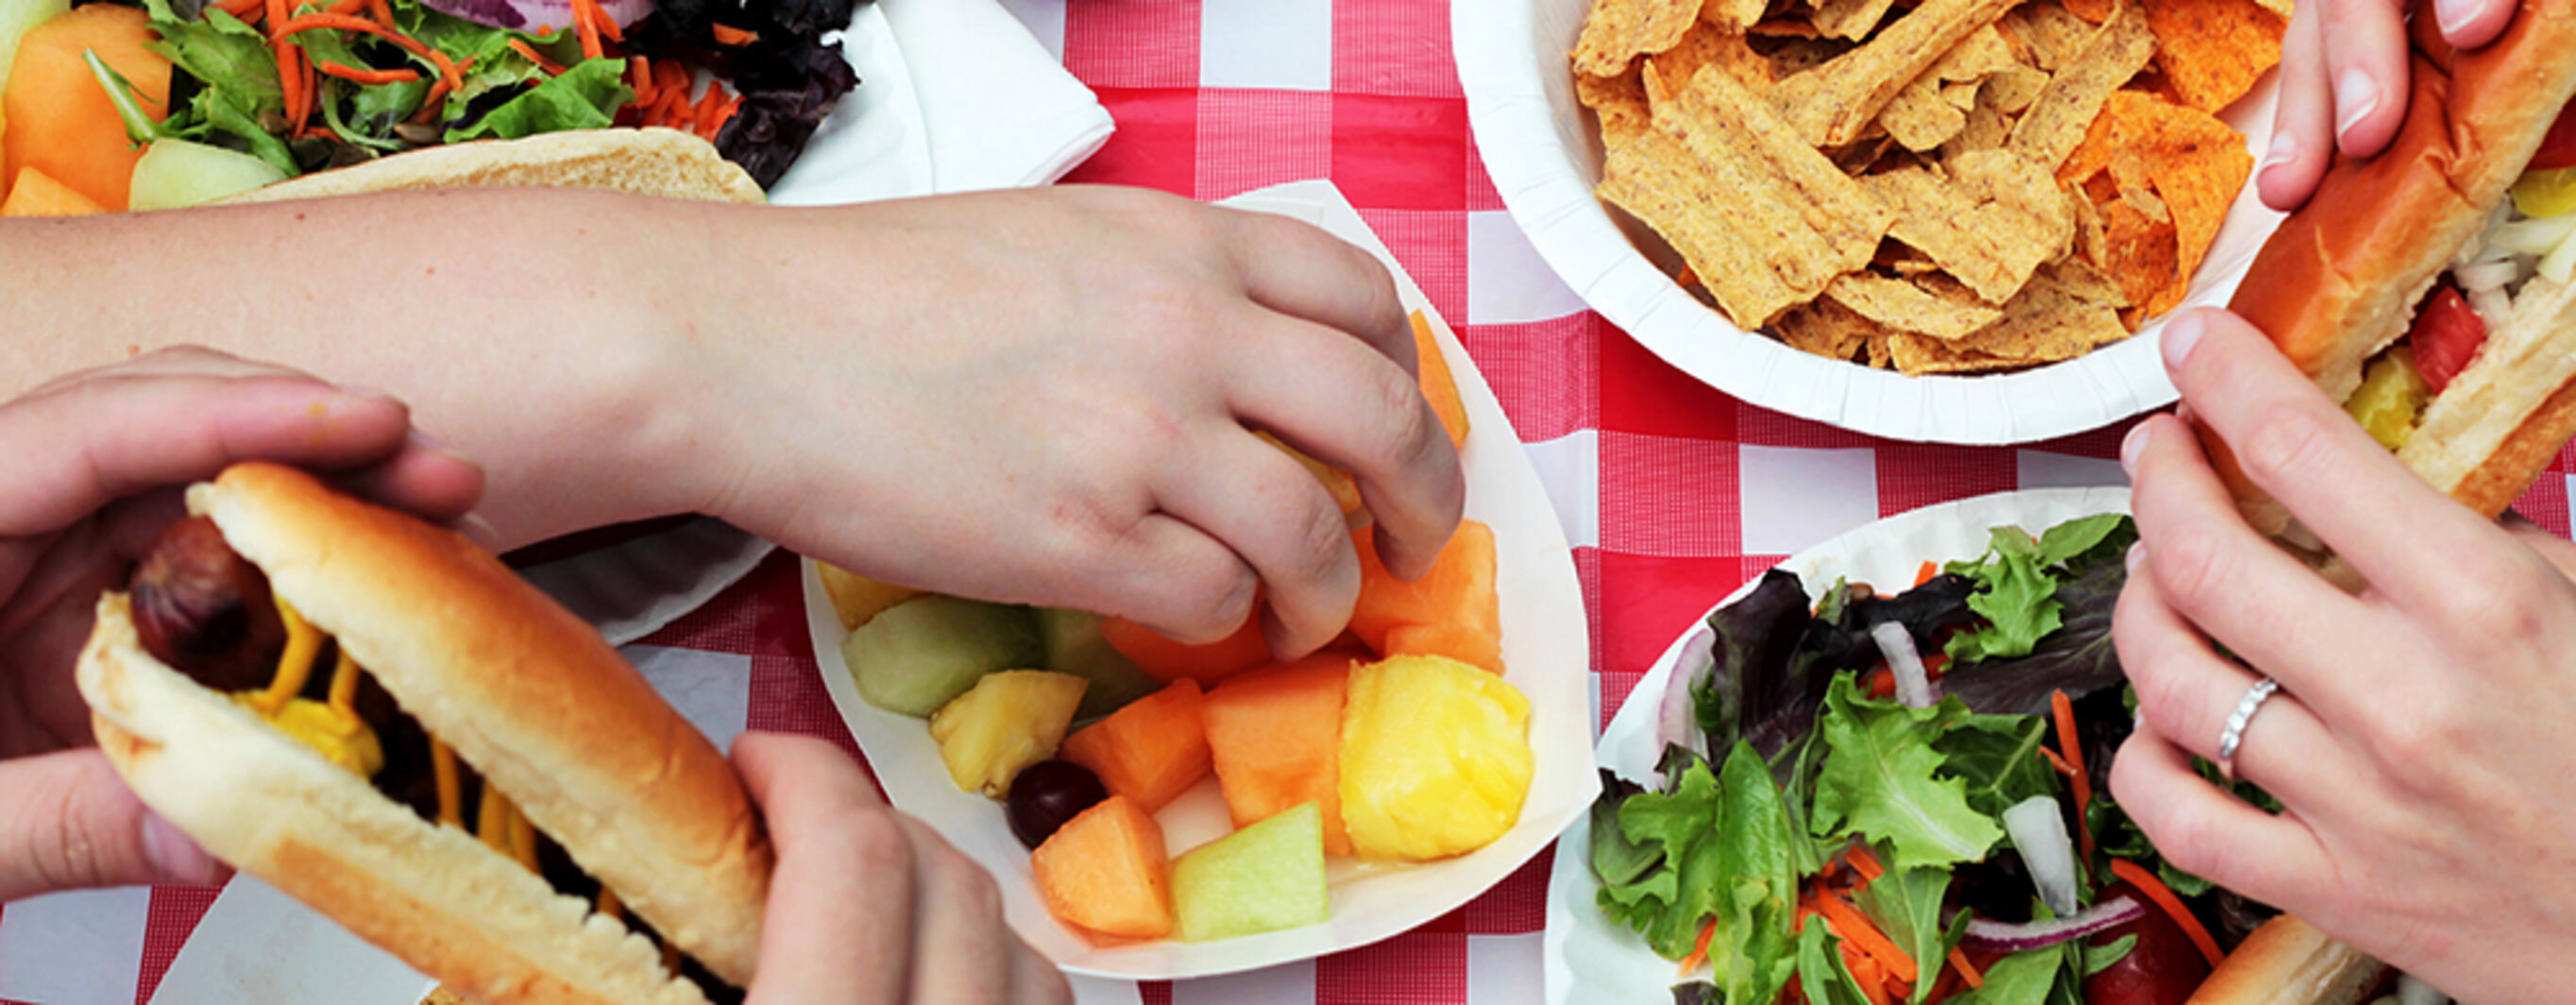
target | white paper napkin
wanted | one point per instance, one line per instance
(999, 110)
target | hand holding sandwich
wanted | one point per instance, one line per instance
(96, 459)
(2419, 741)
(2344, 86)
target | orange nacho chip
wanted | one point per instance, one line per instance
(2064, 111)
(2213, 51)
(1616, 31)
(2143, 258)
(2194, 163)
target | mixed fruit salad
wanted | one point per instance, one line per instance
(1867, 798)
(1400, 742)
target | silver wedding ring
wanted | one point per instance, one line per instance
(2234, 734)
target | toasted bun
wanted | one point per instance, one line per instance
(524, 691)
(656, 162)
(2340, 280)
(2288, 962)
(277, 810)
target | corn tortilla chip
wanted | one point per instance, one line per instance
(2050, 320)
(1829, 329)
(2051, 33)
(2065, 109)
(1980, 55)
(2213, 51)
(2012, 90)
(1944, 310)
(1619, 102)
(1766, 221)
(1616, 31)
(1784, 27)
(1830, 104)
(1852, 19)
(1986, 129)
(1798, 55)
(1920, 117)
(1990, 224)
(1732, 15)
(1706, 45)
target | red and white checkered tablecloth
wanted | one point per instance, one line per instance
(1672, 493)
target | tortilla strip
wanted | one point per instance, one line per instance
(2052, 33)
(1920, 117)
(2065, 110)
(1619, 102)
(1939, 308)
(1617, 31)
(1830, 104)
(1852, 19)
(1829, 329)
(2052, 319)
(1707, 46)
(1991, 224)
(1765, 220)
(1732, 16)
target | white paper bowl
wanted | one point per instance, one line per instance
(1546, 653)
(1585, 949)
(1544, 156)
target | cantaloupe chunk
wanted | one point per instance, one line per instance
(1344, 489)
(38, 194)
(1454, 605)
(1164, 659)
(60, 119)
(1438, 384)
(1150, 751)
(1106, 871)
(1274, 734)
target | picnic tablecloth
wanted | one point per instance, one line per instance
(1671, 493)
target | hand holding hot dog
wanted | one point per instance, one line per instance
(2419, 741)
(2343, 82)
(96, 459)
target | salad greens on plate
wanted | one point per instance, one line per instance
(1866, 799)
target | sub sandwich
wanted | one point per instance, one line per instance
(2432, 289)
(376, 717)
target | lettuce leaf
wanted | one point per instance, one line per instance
(586, 96)
(1882, 781)
(1750, 947)
(1906, 906)
(1668, 902)
(1822, 977)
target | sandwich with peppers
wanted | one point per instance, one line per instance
(377, 718)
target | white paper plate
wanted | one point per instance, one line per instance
(1546, 648)
(1540, 148)
(873, 146)
(1609, 963)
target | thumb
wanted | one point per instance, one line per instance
(76, 825)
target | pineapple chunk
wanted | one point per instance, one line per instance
(858, 599)
(1435, 758)
(2390, 400)
(1008, 721)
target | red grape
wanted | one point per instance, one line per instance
(1046, 794)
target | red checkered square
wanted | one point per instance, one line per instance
(1393, 48)
(787, 696)
(2546, 502)
(1249, 139)
(1640, 393)
(1416, 968)
(768, 620)
(1662, 495)
(1401, 153)
(1432, 247)
(1762, 427)
(1154, 992)
(1647, 602)
(1156, 145)
(1515, 906)
(1912, 475)
(1546, 374)
(174, 913)
(1481, 194)
(1133, 43)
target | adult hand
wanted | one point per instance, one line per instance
(1051, 397)
(868, 905)
(2343, 82)
(2421, 740)
(95, 461)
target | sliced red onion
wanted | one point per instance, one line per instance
(536, 16)
(1996, 936)
(2038, 831)
(1913, 683)
(1677, 715)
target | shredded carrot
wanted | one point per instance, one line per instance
(2057, 762)
(1925, 574)
(1882, 684)
(383, 12)
(723, 115)
(1855, 928)
(290, 80)
(350, 7)
(1943, 987)
(439, 89)
(2077, 778)
(1867, 973)
(1699, 952)
(607, 25)
(585, 25)
(2157, 891)
(728, 35)
(639, 71)
(704, 116)
(241, 9)
(1865, 863)
(552, 68)
(367, 76)
(345, 22)
(1967, 971)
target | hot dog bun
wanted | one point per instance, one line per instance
(523, 691)
(657, 162)
(2288, 962)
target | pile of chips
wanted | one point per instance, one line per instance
(1962, 186)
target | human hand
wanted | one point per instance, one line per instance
(1049, 397)
(2421, 740)
(2344, 86)
(869, 905)
(96, 460)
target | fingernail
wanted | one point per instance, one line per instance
(2181, 334)
(2285, 148)
(176, 856)
(2130, 446)
(2137, 720)
(2453, 15)
(479, 530)
(2356, 96)
(2137, 555)
(426, 441)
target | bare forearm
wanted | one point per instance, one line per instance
(526, 329)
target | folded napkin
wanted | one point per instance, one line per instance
(1000, 111)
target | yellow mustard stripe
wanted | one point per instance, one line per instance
(344, 687)
(451, 799)
(493, 825)
(303, 643)
(523, 838)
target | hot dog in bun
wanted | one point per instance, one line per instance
(376, 717)
(2432, 288)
